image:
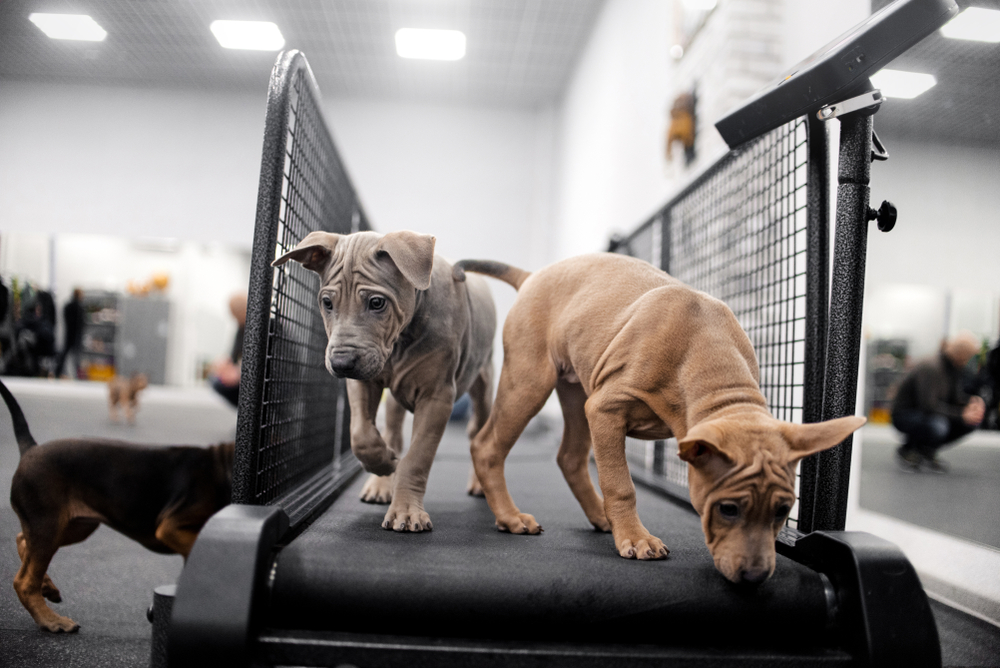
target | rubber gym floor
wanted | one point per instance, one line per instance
(107, 581)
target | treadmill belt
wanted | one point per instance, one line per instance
(466, 579)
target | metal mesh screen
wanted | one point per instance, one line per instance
(739, 233)
(293, 413)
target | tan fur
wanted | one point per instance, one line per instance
(632, 351)
(428, 342)
(124, 393)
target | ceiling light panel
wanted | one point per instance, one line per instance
(975, 23)
(69, 26)
(251, 35)
(905, 85)
(430, 44)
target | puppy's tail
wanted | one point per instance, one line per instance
(21, 432)
(504, 272)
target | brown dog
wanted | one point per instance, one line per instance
(397, 319)
(63, 490)
(124, 393)
(632, 351)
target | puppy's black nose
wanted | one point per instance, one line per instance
(343, 363)
(754, 576)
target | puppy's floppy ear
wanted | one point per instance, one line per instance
(808, 439)
(702, 445)
(313, 252)
(412, 253)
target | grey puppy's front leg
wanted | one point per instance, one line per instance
(366, 443)
(430, 417)
(378, 489)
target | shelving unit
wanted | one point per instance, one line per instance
(97, 356)
(885, 369)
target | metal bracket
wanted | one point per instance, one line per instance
(872, 98)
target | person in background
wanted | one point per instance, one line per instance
(73, 319)
(933, 407)
(226, 372)
(36, 338)
(991, 380)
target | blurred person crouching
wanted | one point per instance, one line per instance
(935, 405)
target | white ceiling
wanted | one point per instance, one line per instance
(520, 52)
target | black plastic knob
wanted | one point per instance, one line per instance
(886, 215)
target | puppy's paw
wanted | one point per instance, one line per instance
(601, 524)
(648, 547)
(377, 489)
(58, 624)
(407, 517)
(50, 591)
(474, 488)
(522, 523)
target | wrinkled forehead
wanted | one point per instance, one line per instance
(763, 476)
(354, 261)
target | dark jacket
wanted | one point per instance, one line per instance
(933, 386)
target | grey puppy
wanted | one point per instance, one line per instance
(397, 319)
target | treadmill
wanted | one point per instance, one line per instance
(297, 571)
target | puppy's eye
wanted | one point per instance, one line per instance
(327, 302)
(782, 512)
(729, 510)
(377, 303)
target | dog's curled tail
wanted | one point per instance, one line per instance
(21, 432)
(499, 270)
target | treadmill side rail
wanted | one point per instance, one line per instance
(218, 589)
(882, 608)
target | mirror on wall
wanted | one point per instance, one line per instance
(156, 306)
(905, 324)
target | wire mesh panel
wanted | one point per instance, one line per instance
(741, 234)
(292, 439)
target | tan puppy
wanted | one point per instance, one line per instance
(397, 319)
(632, 351)
(124, 393)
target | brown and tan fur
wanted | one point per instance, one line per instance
(64, 489)
(429, 341)
(682, 123)
(631, 351)
(124, 393)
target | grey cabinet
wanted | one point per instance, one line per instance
(141, 338)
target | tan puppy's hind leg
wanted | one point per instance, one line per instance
(574, 453)
(481, 394)
(607, 428)
(378, 488)
(522, 392)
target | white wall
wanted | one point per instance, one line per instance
(465, 174)
(129, 162)
(476, 178)
(612, 173)
(811, 24)
(610, 127)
